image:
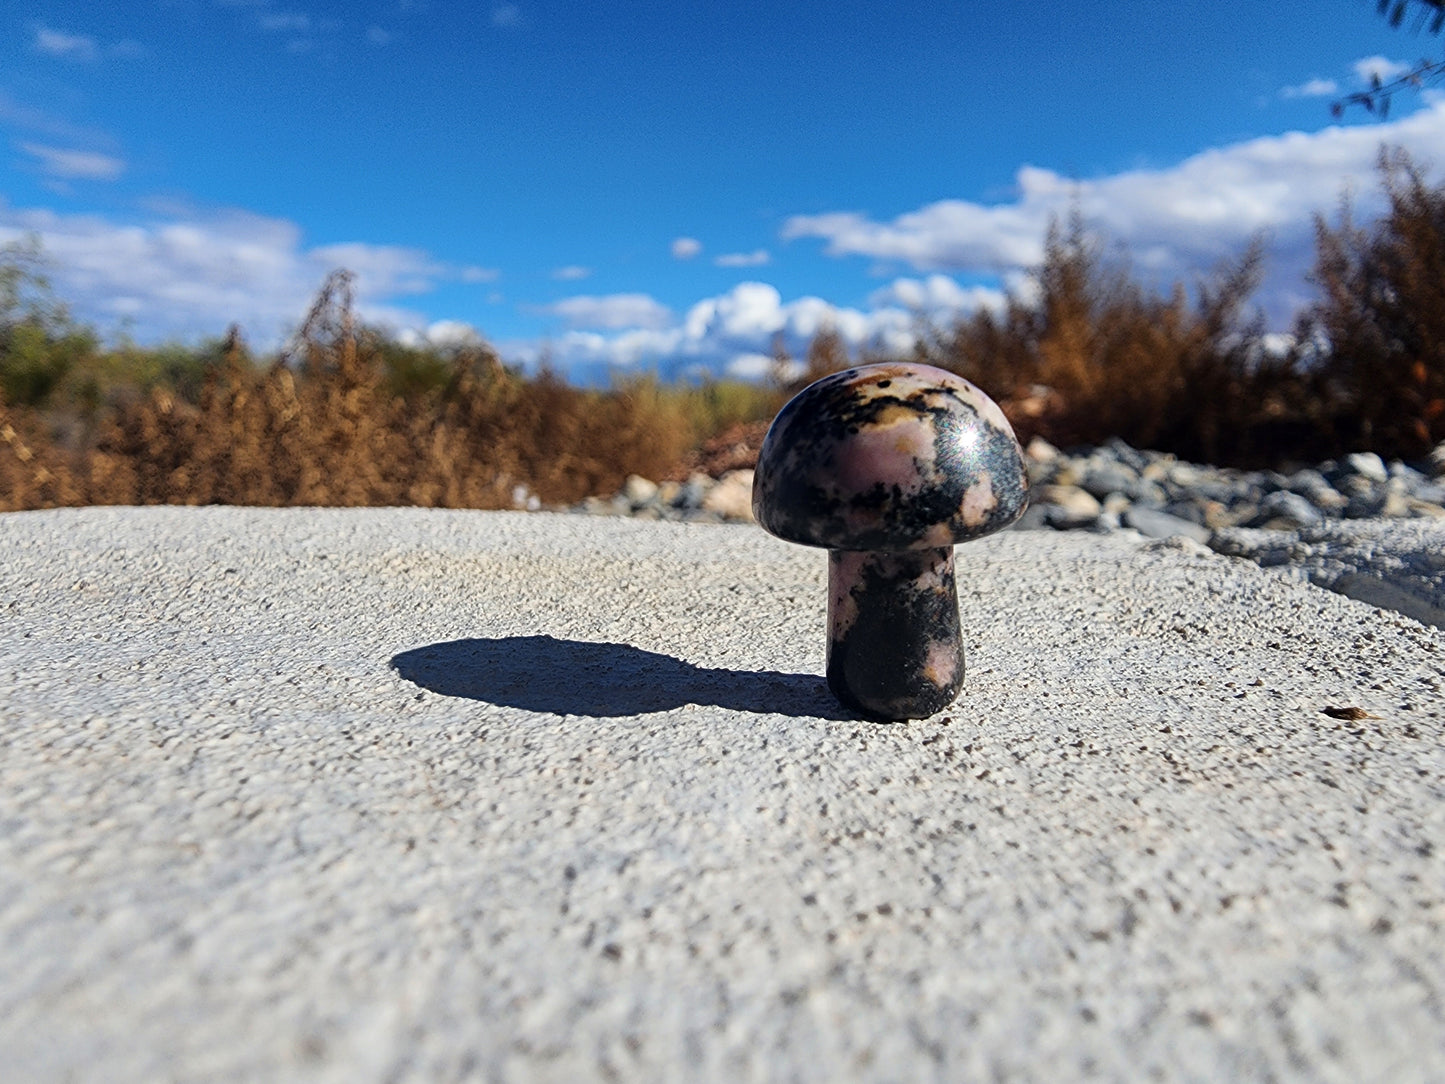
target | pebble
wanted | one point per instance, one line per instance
(1115, 487)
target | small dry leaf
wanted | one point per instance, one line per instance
(1352, 715)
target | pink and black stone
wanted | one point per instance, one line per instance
(888, 466)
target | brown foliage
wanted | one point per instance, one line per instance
(1382, 316)
(33, 473)
(1098, 356)
(322, 426)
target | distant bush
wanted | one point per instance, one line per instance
(1098, 356)
(346, 416)
(1378, 330)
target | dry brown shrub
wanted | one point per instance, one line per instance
(1099, 356)
(33, 473)
(1382, 317)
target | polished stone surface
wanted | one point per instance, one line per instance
(895, 649)
(886, 458)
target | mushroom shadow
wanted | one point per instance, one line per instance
(579, 677)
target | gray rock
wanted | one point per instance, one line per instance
(1072, 501)
(1367, 465)
(1378, 503)
(1101, 479)
(1315, 488)
(1156, 524)
(639, 490)
(1307, 481)
(1186, 475)
(1129, 456)
(732, 497)
(1192, 511)
(1104, 523)
(1210, 488)
(1424, 509)
(1285, 509)
(1150, 494)
(695, 490)
(1041, 451)
(1035, 518)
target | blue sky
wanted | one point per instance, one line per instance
(668, 185)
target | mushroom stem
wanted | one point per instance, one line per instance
(895, 646)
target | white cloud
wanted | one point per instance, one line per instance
(612, 311)
(452, 333)
(64, 164)
(937, 296)
(1373, 67)
(1312, 88)
(752, 367)
(685, 248)
(480, 274)
(387, 270)
(62, 44)
(506, 15)
(571, 273)
(728, 333)
(1178, 222)
(377, 36)
(756, 258)
(189, 275)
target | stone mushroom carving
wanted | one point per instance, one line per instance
(888, 466)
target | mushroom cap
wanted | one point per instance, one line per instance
(889, 458)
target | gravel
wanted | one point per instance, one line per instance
(1367, 529)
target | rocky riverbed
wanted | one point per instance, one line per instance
(1368, 529)
(1115, 487)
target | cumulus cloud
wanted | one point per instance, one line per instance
(189, 275)
(751, 367)
(447, 334)
(756, 258)
(1312, 88)
(685, 248)
(1371, 68)
(64, 164)
(1178, 222)
(571, 273)
(62, 44)
(612, 311)
(937, 296)
(732, 333)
